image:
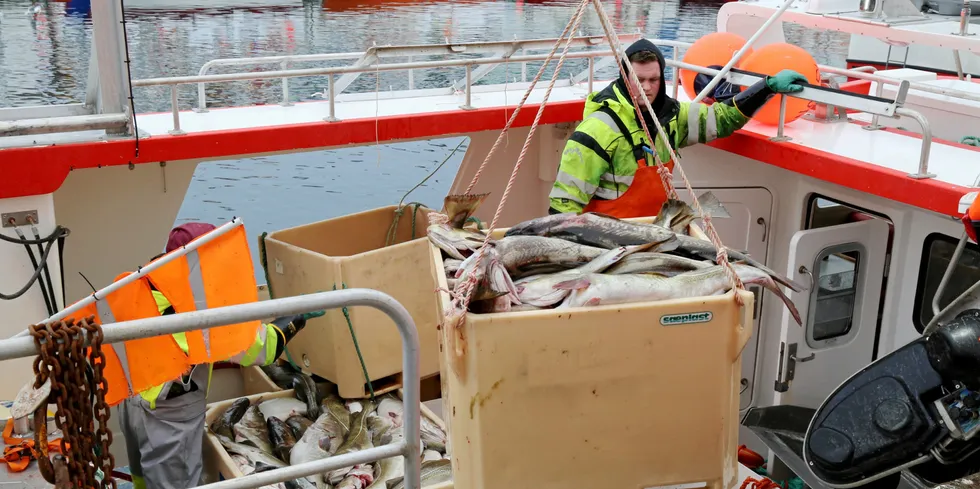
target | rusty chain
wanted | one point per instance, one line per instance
(61, 359)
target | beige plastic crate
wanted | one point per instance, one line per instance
(602, 396)
(350, 250)
(218, 464)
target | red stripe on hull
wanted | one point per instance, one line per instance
(40, 170)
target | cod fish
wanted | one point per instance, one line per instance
(338, 412)
(451, 238)
(451, 265)
(280, 374)
(540, 291)
(707, 251)
(433, 437)
(252, 429)
(492, 279)
(282, 407)
(597, 230)
(307, 392)
(392, 410)
(301, 483)
(387, 469)
(254, 456)
(359, 477)
(321, 440)
(433, 472)
(677, 215)
(600, 289)
(431, 455)
(304, 386)
(281, 437)
(591, 229)
(298, 424)
(381, 432)
(658, 263)
(526, 255)
(223, 425)
(359, 438)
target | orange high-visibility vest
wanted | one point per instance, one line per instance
(135, 365)
(218, 273)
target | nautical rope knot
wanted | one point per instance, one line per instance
(75, 382)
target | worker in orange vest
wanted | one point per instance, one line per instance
(164, 425)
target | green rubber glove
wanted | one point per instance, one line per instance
(314, 314)
(786, 81)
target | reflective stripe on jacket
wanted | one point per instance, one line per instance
(599, 162)
(261, 352)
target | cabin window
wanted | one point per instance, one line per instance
(937, 251)
(835, 278)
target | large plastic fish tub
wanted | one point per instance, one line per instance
(351, 251)
(636, 395)
(218, 464)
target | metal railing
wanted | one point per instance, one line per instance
(503, 52)
(498, 50)
(208, 318)
(113, 123)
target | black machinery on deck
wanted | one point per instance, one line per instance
(915, 410)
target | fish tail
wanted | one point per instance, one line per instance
(460, 207)
(769, 284)
(780, 279)
(712, 206)
(670, 211)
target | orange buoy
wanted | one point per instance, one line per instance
(771, 59)
(716, 48)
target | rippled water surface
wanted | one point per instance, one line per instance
(45, 49)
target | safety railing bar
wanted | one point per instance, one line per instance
(229, 77)
(941, 289)
(485, 70)
(321, 466)
(949, 92)
(820, 95)
(22, 347)
(926, 141)
(399, 51)
(49, 125)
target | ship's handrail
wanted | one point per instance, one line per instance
(874, 105)
(409, 446)
(497, 49)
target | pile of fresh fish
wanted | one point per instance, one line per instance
(281, 431)
(590, 259)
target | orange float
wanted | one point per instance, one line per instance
(716, 48)
(771, 59)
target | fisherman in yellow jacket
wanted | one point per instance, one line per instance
(164, 426)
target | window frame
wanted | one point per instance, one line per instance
(852, 330)
(920, 283)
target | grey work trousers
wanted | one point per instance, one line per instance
(165, 444)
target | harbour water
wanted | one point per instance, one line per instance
(44, 59)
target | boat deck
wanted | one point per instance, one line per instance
(835, 152)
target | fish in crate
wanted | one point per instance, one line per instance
(550, 339)
(575, 260)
